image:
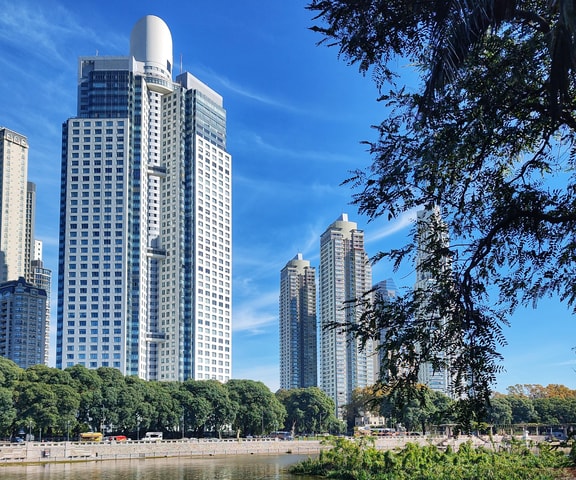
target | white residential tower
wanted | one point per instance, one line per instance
(145, 270)
(345, 276)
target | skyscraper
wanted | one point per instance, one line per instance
(384, 291)
(431, 231)
(345, 276)
(41, 277)
(23, 325)
(17, 197)
(145, 264)
(298, 351)
(24, 330)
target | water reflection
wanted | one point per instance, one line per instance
(254, 467)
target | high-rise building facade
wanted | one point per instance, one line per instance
(431, 231)
(23, 323)
(41, 277)
(17, 197)
(384, 291)
(298, 350)
(145, 264)
(345, 275)
(24, 332)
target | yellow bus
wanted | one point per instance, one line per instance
(91, 437)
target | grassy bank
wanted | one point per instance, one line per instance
(359, 460)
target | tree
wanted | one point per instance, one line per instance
(222, 409)
(109, 403)
(258, 411)
(488, 140)
(159, 404)
(309, 410)
(522, 410)
(7, 412)
(37, 407)
(88, 385)
(500, 411)
(10, 373)
(364, 401)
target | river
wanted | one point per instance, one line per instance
(232, 467)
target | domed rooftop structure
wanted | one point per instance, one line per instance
(151, 44)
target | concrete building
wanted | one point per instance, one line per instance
(345, 275)
(145, 264)
(298, 350)
(23, 323)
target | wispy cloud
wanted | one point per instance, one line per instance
(567, 363)
(257, 313)
(252, 140)
(253, 95)
(404, 221)
(222, 82)
(289, 187)
(48, 32)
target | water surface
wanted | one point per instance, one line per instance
(233, 467)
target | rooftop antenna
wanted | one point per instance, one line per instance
(180, 63)
(96, 52)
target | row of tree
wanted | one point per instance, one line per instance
(523, 404)
(53, 403)
(49, 402)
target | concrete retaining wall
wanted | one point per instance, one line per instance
(39, 452)
(31, 452)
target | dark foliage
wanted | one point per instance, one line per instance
(488, 140)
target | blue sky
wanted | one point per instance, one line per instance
(296, 118)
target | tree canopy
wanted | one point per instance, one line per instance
(484, 133)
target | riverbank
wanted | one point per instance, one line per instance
(46, 452)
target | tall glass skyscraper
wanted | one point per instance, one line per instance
(145, 264)
(345, 276)
(431, 231)
(298, 351)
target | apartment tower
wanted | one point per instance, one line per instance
(145, 264)
(384, 291)
(298, 351)
(23, 325)
(17, 197)
(24, 329)
(431, 231)
(345, 276)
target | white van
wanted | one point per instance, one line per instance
(155, 436)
